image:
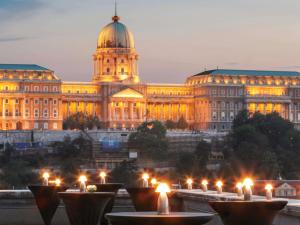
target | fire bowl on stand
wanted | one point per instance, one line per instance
(150, 218)
(109, 187)
(145, 199)
(47, 200)
(247, 212)
(84, 208)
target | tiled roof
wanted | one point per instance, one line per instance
(248, 73)
(22, 67)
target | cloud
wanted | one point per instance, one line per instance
(11, 39)
(16, 9)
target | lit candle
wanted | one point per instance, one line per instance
(204, 184)
(239, 188)
(269, 190)
(163, 202)
(248, 183)
(219, 185)
(189, 183)
(57, 182)
(145, 178)
(153, 182)
(82, 179)
(46, 176)
(102, 177)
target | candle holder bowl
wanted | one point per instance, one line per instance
(47, 200)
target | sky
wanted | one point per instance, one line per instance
(174, 38)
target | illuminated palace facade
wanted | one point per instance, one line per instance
(33, 97)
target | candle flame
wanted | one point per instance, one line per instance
(189, 181)
(153, 181)
(46, 175)
(204, 182)
(57, 182)
(219, 184)
(145, 176)
(269, 187)
(248, 182)
(239, 185)
(82, 179)
(163, 188)
(102, 174)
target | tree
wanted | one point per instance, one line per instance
(170, 124)
(182, 123)
(71, 154)
(265, 145)
(150, 139)
(125, 173)
(82, 121)
(194, 163)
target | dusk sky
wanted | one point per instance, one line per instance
(174, 38)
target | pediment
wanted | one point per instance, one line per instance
(285, 186)
(128, 93)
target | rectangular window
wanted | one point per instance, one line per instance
(36, 88)
(54, 125)
(45, 88)
(36, 101)
(241, 91)
(231, 115)
(46, 101)
(26, 88)
(214, 115)
(36, 125)
(223, 115)
(26, 101)
(26, 112)
(45, 113)
(54, 102)
(36, 113)
(55, 113)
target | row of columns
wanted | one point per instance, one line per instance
(285, 108)
(157, 111)
(114, 110)
(131, 65)
(76, 107)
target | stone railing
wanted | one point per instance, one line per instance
(17, 207)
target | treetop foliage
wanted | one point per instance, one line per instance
(82, 121)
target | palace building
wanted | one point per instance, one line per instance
(33, 97)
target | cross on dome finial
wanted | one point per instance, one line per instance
(115, 18)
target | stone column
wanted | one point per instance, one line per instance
(23, 108)
(290, 115)
(3, 108)
(131, 110)
(140, 112)
(122, 111)
(14, 107)
(170, 111)
(100, 68)
(109, 112)
(187, 112)
(178, 111)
